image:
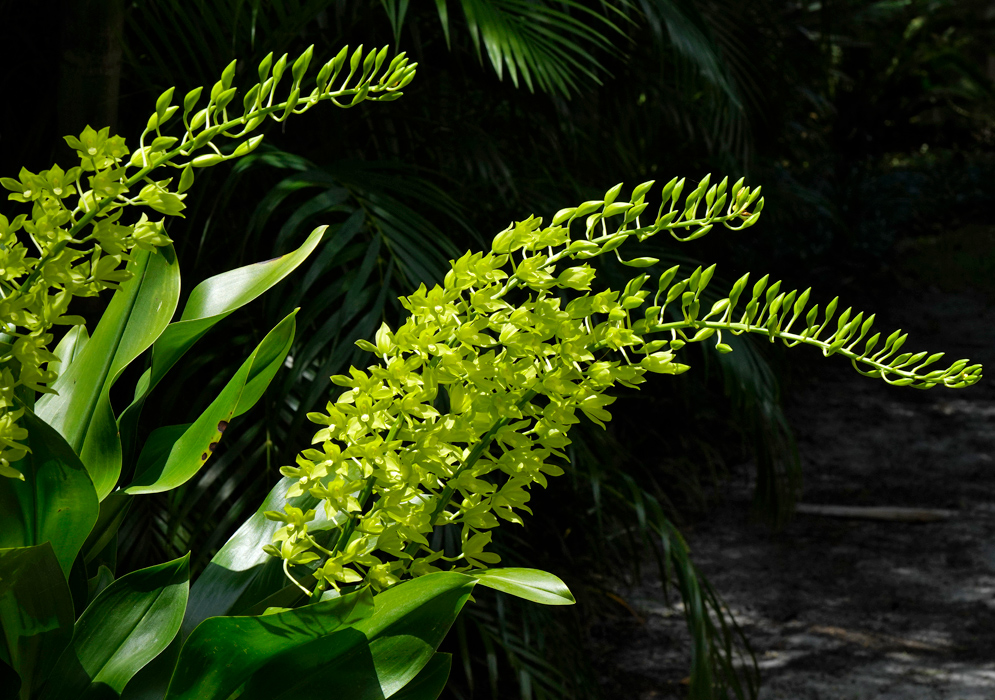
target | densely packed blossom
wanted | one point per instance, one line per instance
(472, 398)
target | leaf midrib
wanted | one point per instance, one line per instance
(119, 647)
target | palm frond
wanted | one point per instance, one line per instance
(551, 45)
(691, 38)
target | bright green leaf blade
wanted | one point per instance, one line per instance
(223, 652)
(210, 302)
(241, 574)
(430, 681)
(69, 348)
(192, 449)
(155, 452)
(376, 657)
(530, 584)
(56, 501)
(36, 613)
(136, 315)
(126, 626)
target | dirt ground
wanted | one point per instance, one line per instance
(843, 608)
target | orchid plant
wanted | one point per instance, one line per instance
(341, 582)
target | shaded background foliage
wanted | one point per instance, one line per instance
(867, 123)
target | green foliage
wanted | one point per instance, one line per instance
(520, 339)
(55, 501)
(36, 609)
(547, 43)
(82, 243)
(520, 347)
(70, 628)
(126, 626)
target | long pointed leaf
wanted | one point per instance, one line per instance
(194, 446)
(81, 410)
(130, 623)
(529, 584)
(241, 574)
(211, 301)
(56, 501)
(36, 613)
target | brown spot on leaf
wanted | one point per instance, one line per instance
(204, 456)
(213, 446)
(222, 424)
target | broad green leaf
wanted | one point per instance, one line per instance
(69, 348)
(55, 502)
(36, 613)
(128, 624)
(530, 584)
(211, 301)
(81, 410)
(159, 444)
(377, 656)
(241, 575)
(194, 446)
(430, 681)
(239, 580)
(223, 652)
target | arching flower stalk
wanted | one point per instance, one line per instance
(472, 398)
(77, 226)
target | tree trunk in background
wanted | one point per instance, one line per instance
(90, 70)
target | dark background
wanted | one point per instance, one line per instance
(868, 124)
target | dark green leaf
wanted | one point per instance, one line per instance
(36, 613)
(223, 652)
(98, 583)
(130, 623)
(376, 657)
(430, 681)
(194, 446)
(241, 574)
(55, 502)
(210, 302)
(109, 519)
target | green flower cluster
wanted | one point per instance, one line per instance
(77, 239)
(36, 291)
(472, 398)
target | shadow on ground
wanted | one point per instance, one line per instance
(835, 608)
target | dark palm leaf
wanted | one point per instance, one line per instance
(551, 45)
